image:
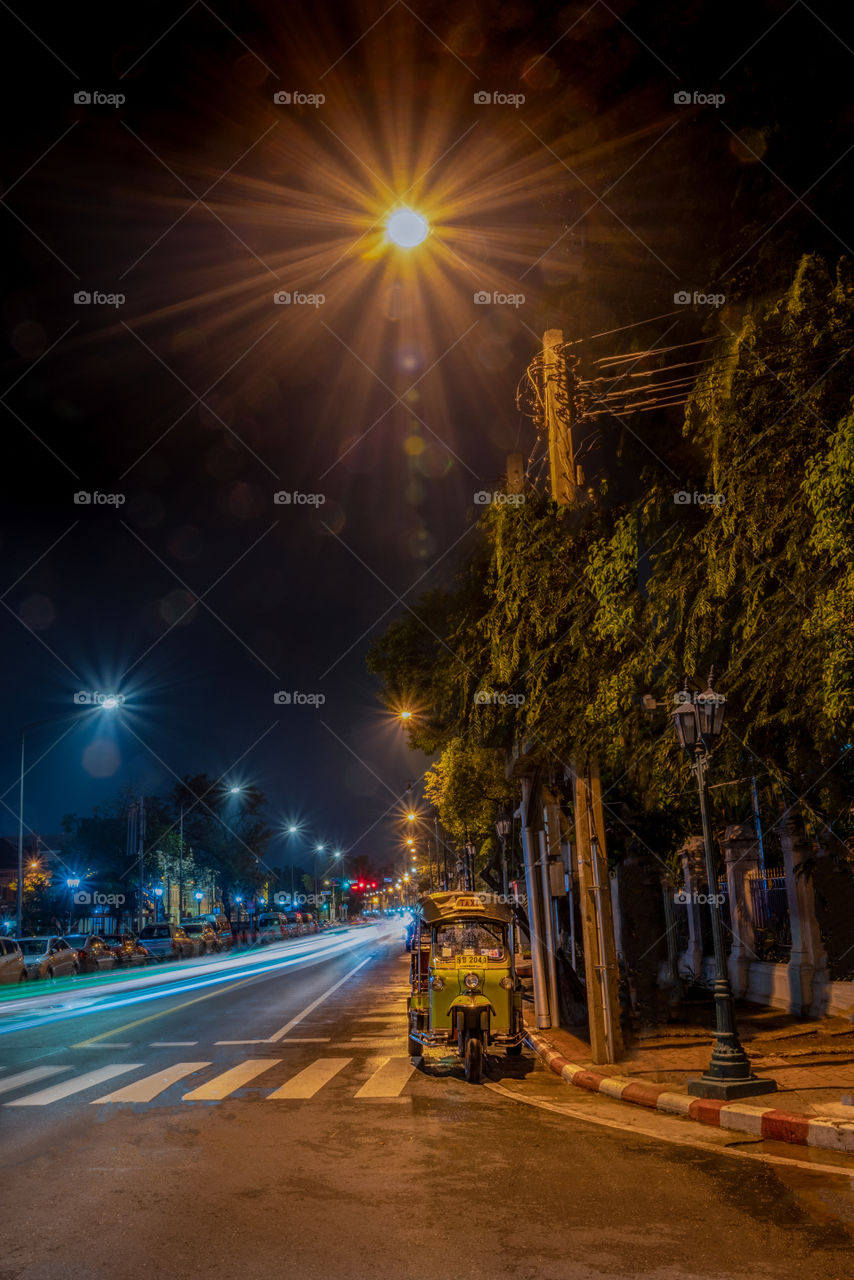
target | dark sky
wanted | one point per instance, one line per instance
(198, 398)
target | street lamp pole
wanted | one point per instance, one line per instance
(698, 721)
(19, 897)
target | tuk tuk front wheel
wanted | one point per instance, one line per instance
(514, 1050)
(474, 1060)
(416, 1049)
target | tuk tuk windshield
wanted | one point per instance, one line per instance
(469, 939)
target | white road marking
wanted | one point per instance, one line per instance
(241, 1042)
(59, 1091)
(306, 1083)
(103, 1044)
(235, 1078)
(304, 1040)
(29, 1077)
(581, 1113)
(388, 1080)
(172, 1044)
(147, 1089)
(283, 1031)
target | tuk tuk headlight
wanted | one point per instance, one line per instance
(506, 982)
(437, 983)
(471, 980)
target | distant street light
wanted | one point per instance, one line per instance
(104, 702)
(698, 720)
(198, 895)
(406, 228)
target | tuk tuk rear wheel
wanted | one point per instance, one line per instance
(514, 1050)
(474, 1060)
(416, 1049)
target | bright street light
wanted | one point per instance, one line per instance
(406, 228)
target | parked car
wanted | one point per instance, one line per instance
(13, 967)
(49, 957)
(225, 937)
(167, 942)
(203, 935)
(272, 926)
(93, 954)
(127, 950)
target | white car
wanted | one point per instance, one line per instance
(49, 957)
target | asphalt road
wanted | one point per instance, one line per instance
(272, 1125)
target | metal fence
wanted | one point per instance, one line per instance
(770, 908)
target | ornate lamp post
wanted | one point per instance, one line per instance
(699, 719)
(502, 830)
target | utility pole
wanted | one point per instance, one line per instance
(141, 852)
(600, 965)
(181, 866)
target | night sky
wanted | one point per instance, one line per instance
(382, 393)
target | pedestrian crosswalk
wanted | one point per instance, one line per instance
(364, 1078)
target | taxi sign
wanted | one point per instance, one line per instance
(468, 903)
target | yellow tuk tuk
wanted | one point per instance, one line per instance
(464, 989)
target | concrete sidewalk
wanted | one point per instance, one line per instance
(812, 1063)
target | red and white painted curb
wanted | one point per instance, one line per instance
(763, 1122)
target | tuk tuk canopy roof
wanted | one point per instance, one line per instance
(457, 904)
